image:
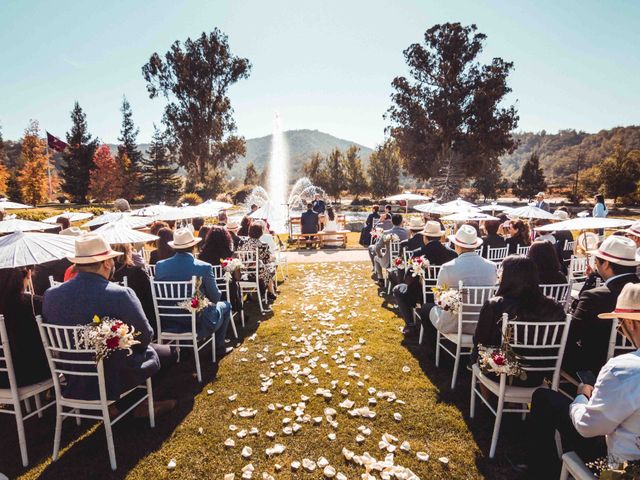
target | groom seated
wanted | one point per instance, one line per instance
(182, 267)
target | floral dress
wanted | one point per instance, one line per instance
(265, 270)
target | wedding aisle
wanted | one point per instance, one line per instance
(324, 388)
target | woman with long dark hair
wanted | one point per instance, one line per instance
(365, 234)
(19, 311)
(216, 246)
(164, 250)
(519, 235)
(244, 226)
(520, 297)
(599, 209)
(545, 257)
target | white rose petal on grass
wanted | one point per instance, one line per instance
(229, 443)
(295, 465)
(397, 417)
(422, 456)
(341, 476)
(406, 369)
(232, 398)
(277, 467)
(229, 476)
(209, 392)
(331, 436)
(329, 471)
(277, 449)
(322, 462)
(308, 465)
(270, 434)
(241, 434)
(360, 439)
(172, 464)
(233, 428)
(247, 452)
(444, 460)
(405, 447)
(348, 454)
(200, 430)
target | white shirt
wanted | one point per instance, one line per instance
(614, 407)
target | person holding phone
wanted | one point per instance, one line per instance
(609, 410)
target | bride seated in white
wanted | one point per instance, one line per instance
(331, 226)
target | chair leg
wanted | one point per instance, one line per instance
(58, 432)
(78, 419)
(496, 427)
(242, 308)
(558, 441)
(438, 349)
(472, 405)
(456, 364)
(233, 325)
(109, 433)
(36, 398)
(564, 473)
(421, 335)
(196, 356)
(27, 405)
(22, 438)
(152, 412)
(260, 301)
(213, 345)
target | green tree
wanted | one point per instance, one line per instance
(531, 179)
(620, 172)
(385, 164)
(160, 180)
(195, 78)
(251, 175)
(354, 172)
(78, 157)
(334, 174)
(129, 146)
(491, 182)
(314, 170)
(447, 120)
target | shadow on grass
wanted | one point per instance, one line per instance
(86, 448)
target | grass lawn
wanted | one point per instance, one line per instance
(330, 319)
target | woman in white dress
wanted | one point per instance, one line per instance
(331, 226)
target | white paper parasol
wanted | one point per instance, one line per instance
(531, 211)
(5, 204)
(586, 223)
(406, 197)
(179, 213)
(117, 233)
(427, 207)
(23, 249)
(211, 208)
(18, 225)
(494, 207)
(153, 210)
(71, 216)
(121, 217)
(468, 215)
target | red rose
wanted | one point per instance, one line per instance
(398, 261)
(499, 359)
(194, 302)
(112, 343)
(114, 328)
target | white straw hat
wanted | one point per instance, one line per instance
(617, 249)
(72, 232)
(415, 224)
(466, 237)
(183, 238)
(634, 229)
(561, 215)
(627, 305)
(432, 229)
(92, 248)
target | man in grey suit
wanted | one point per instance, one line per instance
(379, 258)
(540, 202)
(90, 293)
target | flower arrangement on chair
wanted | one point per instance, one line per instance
(106, 335)
(419, 266)
(197, 302)
(398, 263)
(501, 360)
(448, 299)
(231, 266)
(390, 237)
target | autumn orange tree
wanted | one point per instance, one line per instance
(4, 178)
(32, 177)
(105, 182)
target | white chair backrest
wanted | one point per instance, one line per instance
(124, 282)
(479, 250)
(394, 249)
(471, 301)
(151, 270)
(221, 281)
(569, 246)
(250, 262)
(550, 337)
(618, 343)
(52, 282)
(166, 296)
(523, 250)
(431, 273)
(6, 362)
(577, 268)
(560, 292)
(497, 254)
(67, 358)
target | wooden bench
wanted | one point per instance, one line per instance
(321, 239)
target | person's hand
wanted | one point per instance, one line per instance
(586, 390)
(588, 271)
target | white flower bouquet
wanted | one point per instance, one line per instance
(230, 266)
(197, 302)
(419, 266)
(447, 299)
(106, 335)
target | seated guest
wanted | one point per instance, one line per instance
(163, 250)
(365, 233)
(544, 256)
(318, 205)
(541, 236)
(562, 237)
(155, 227)
(245, 223)
(63, 222)
(471, 268)
(519, 236)
(122, 205)
(380, 259)
(253, 209)
(633, 232)
(197, 224)
(492, 239)
(416, 239)
(202, 233)
(384, 221)
(409, 293)
(519, 296)
(309, 222)
(56, 268)
(610, 408)
(19, 311)
(266, 269)
(331, 225)
(91, 293)
(232, 228)
(222, 218)
(216, 246)
(588, 342)
(182, 267)
(137, 280)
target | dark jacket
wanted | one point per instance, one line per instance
(365, 233)
(309, 222)
(437, 253)
(563, 236)
(493, 241)
(42, 272)
(588, 341)
(138, 281)
(29, 360)
(514, 243)
(552, 278)
(415, 242)
(318, 206)
(489, 329)
(75, 303)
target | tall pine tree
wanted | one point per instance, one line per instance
(78, 158)
(354, 172)
(35, 163)
(129, 146)
(531, 179)
(159, 174)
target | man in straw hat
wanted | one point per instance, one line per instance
(91, 293)
(610, 407)
(415, 227)
(409, 293)
(182, 267)
(471, 268)
(588, 342)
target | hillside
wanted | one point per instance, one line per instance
(558, 152)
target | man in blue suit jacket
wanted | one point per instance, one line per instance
(90, 293)
(181, 267)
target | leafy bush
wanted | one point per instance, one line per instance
(241, 194)
(361, 201)
(190, 198)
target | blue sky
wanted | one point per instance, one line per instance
(324, 65)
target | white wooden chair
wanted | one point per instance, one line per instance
(472, 299)
(394, 251)
(430, 279)
(65, 357)
(54, 283)
(573, 465)
(569, 246)
(618, 343)
(497, 254)
(523, 250)
(224, 287)
(11, 398)
(560, 292)
(251, 268)
(549, 339)
(577, 268)
(479, 251)
(166, 297)
(151, 270)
